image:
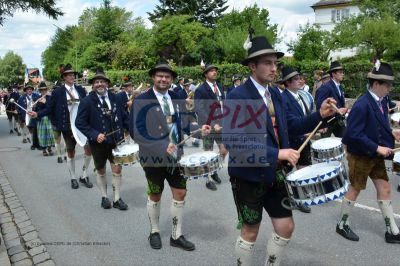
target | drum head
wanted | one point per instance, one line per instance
(198, 158)
(396, 157)
(79, 137)
(313, 173)
(126, 149)
(326, 143)
(395, 117)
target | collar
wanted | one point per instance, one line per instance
(105, 94)
(161, 95)
(69, 87)
(336, 83)
(295, 94)
(376, 98)
(261, 89)
(211, 84)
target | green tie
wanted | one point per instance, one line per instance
(166, 109)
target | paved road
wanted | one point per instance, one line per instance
(63, 215)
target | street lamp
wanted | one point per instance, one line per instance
(76, 50)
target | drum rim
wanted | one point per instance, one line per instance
(314, 179)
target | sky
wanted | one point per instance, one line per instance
(28, 34)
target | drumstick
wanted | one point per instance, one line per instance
(309, 137)
(38, 100)
(191, 135)
(336, 109)
(110, 133)
(397, 149)
(330, 120)
(13, 101)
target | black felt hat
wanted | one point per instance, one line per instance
(164, 66)
(99, 75)
(335, 65)
(288, 72)
(382, 72)
(259, 46)
(67, 69)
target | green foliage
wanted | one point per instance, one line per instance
(205, 11)
(312, 43)
(376, 8)
(11, 69)
(232, 29)
(48, 7)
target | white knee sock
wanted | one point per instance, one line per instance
(102, 184)
(71, 167)
(243, 252)
(276, 245)
(153, 211)
(86, 162)
(58, 149)
(116, 184)
(347, 206)
(176, 214)
(387, 213)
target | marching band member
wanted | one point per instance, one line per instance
(208, 101)
(236, 79)
(370, 140)
(255, 132)
(44, 128)
(100, 113)
(156, 123)
(59, 106)
(11, 110)
(26, 102)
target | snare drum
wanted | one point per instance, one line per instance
(126, 154)
(396, 162)
(327, 149)
(318, 183)
(395, 120)
(200, 164)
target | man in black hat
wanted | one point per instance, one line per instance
(62, 100)
(156, 123)
(208, 103)
(236, 79)
(179, 85)
(12, 113)
(370, 140)
(255, 131)
(102, 119)
(28, 126)
(334, 89)
(125, 96)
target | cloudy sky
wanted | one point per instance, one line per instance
(28, 34)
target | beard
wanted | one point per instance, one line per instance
(101, 90)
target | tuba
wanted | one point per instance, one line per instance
(190, 105)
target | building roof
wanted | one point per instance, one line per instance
(327, 3)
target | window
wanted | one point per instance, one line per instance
(338, 15)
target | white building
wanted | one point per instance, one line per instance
(330, 12)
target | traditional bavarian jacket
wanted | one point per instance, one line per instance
(93, 119)
(149, 127)
(205, 101)
(327, 90)
(367, 127)
(57, 107)
(249, 135)
(11, 106)
(25, 101)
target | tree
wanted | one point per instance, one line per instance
(12, 69)
(232, 30)
(380, 35)
(378, 8)
(205, 11)
(175, 36)
(8, 7)
(312, 44)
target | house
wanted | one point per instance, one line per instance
(330, 12)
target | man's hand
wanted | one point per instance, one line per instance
(32, 114)
(290, 155)
(384, 151)
(217, 128)
(343, 110)
(326, 109)
(205, 130)
(100, 138)
(396, 134)
(171, 148)
(42, 100)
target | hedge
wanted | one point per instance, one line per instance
(355, 74)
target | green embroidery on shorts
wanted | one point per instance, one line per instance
(280, 178)
(182, 183)
(249, 215)
(153, 188)
(240, 222)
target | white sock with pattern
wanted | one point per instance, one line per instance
(243, 252)
(116, 184)
(86, 162)
(58, 149)
(153, 211)
(347, 206)
(71, 167)
(387, 213)
(276, 245)
(176, 214)
(102, 184)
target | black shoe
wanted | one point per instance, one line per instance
(120, 204)
(393, 239)
(303, 208)
(105, 203)
(11, 131)
(211, 185)
(28, 139)
(155, 240)
(398, 188)
(18, 134)
(216, 178)
(33, 148)
(65, 158)
(74, 184)
(59, 160)
(347, 233)
(182, 243)
(86, 182)
(24, 141)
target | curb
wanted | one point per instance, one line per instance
(20, 243)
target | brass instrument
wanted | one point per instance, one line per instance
(190, 103)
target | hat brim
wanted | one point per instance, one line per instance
(154, 70)
(386, 78)
(43, 88)
(335, 68)
(209, 68)
(246, 61)
(290, 75)
(68, 72)
(99, 77)
(29, 87)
